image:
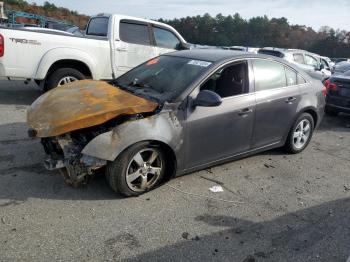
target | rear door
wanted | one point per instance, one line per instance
(277, 97)
(134, 45)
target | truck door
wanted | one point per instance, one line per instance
(133, 46)
(165, 40)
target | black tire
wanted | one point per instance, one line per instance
(116, 170)
(290, 144)
(54, 78)
(331, 112)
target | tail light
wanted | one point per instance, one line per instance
(330, 85)
(324, 91)
(2, 46)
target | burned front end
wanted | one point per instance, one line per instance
(67, 118)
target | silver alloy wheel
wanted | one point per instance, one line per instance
(66, 80)
(301, 134)
(144, 170)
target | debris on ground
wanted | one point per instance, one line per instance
(269, 166)
(216, 189)
(185, 235)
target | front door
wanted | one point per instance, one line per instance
(134, 46)
(215, 133)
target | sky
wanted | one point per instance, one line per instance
(314, 13)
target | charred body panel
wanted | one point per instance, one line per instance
(82, 104)
(165, 127)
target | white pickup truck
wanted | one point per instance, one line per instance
(113, 44)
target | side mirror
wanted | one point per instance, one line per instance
(183, 46)
(207, 98)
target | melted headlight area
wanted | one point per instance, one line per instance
(64, 152)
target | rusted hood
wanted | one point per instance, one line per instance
(80, 105)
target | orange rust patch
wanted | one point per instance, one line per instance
(80, 105)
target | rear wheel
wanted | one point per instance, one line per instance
(137, 170)
(331, 112)
(63, 76)
(300, 134)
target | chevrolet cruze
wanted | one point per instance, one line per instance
(175, 114)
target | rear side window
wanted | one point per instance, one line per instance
(299, 58)
(134, 33)
(98, 26)
(165, 38)
(268, 75)
(292, 78)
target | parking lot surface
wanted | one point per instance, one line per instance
(275, 207)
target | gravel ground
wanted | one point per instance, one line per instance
(278, 207)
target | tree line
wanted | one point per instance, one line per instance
(261, 32)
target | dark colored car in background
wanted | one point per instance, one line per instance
(175, 114)
(338, 94)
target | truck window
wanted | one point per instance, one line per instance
(165, 38)
(98, 26)
(134, 33)
(299, 58)
(309, 60)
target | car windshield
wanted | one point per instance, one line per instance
(163, 78)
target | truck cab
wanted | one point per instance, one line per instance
(134, 40)
(112, 45)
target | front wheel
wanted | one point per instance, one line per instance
(300, 134)
(139, 169)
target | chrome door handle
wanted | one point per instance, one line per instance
(289, 100)
(245, 111)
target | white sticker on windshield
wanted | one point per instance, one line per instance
(199, 63)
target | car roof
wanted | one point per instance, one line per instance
(215, 55)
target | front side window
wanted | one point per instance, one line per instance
(98, 26)
(165, 38)
(268, 75)
(309, 60)
(163, 78)
(229, 81)
(134, 33)
(298, 58)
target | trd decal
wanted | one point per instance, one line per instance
(25, 41)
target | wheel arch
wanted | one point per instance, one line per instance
(66, 57)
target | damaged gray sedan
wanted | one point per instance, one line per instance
(175, 114)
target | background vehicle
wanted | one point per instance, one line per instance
(243, 49)
(113, 45)
(341, 68)
(315, 65)
(239, 103)
(338, 94)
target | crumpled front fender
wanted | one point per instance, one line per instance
(164, 127)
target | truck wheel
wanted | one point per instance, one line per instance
(63, 76)
(139, 169)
